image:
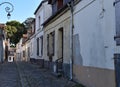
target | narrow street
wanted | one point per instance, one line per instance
(9, 76)
(22, 74)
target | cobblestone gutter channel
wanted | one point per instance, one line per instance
(31, 77)
(23, 77)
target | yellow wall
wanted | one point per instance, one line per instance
(61, 21)
(94, 77)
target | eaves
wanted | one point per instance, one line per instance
(56, 15)
(60, 12)
(40, 6)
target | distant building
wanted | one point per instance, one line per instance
(42, 13)
(2, 43)
(19, 51)
(11, 55)
(23, 47)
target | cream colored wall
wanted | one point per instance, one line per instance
(94, 77)
(62, 21)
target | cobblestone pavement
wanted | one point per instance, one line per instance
(22, 74)
(9, 76)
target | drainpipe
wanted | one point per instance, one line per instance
(70, 5)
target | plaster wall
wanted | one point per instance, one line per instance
(94, 33)
(62, 21)
(93, 43)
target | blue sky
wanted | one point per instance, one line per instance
(22, 10)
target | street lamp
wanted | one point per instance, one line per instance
(8, 9)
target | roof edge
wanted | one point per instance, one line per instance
(40, 6)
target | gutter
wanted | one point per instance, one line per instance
(70, 5)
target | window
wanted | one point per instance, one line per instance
(37, 46)
(41, 40)
(39, 21)
(1, 31)
(28, 50)
(59, 4)
(31, 49)
(50, 43)
(9, 58)
(23, 53)
(41, 46)
(53, 42)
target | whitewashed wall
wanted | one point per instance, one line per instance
(33, 47)
(19, 51)
(94, 22)
(44, 12)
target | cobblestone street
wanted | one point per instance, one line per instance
(9, 76)
(22, 74)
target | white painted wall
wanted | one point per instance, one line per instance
(47, 10)
(39, 14)
(96, 30)
(27, 49)
(33, 47)
(19, 51)
(44, 12)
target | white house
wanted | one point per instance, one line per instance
(93, 43)
(11, 55)
(26, 50)
(19, 51)
(42, 13)
(31, 49)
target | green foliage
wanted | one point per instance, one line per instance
(12, 46)
(28, 22)
(15, 30)
(11, 30)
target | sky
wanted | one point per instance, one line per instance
(23, 9)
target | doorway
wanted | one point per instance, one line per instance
(60, 43)
(117, 69)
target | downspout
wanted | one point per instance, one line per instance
(70, 5)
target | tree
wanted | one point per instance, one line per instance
(11, 30)
(27, 22)
(15, 30)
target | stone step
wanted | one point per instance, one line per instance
(56, 74)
